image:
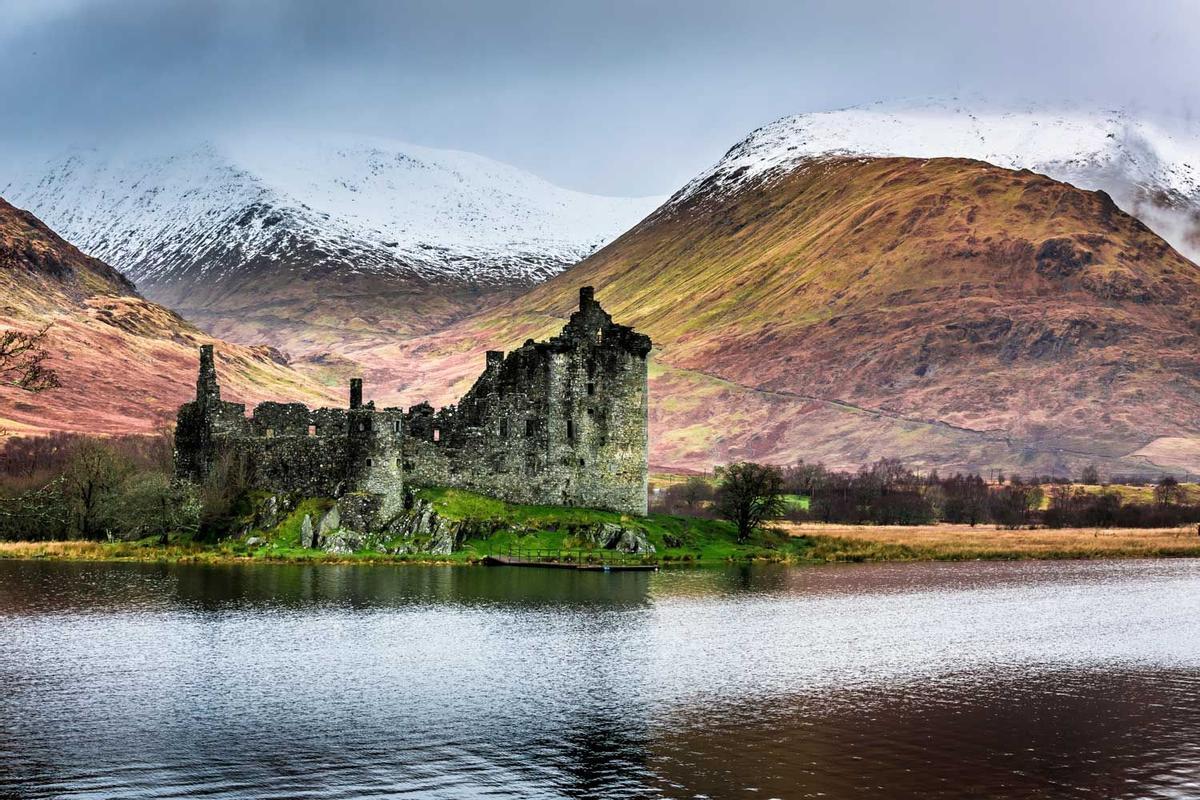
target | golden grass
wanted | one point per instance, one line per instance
(962, 542)
(95, 551)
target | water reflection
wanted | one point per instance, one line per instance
(1028, 733)
(950, 680)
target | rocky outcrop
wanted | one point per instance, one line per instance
(611, 536)
(419, 530)
(423, 530)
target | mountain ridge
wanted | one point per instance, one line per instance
(307, 241)
(945, 311)
(1151, 167)
(124, 363)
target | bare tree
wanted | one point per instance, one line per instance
(749, 495)
(695, 491)
(90, 483)
(23, 361)
(1168, 492)
(1091, 475)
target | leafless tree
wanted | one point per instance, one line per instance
(23, 361)
(749, 495)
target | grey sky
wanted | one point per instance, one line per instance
(611, 97)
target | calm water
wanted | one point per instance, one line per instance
(899, 681)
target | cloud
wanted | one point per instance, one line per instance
(615, 97)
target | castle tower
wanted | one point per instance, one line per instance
(356, 393)
(207, 388)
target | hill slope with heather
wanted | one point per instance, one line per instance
(944, 311)
(1151, 167)
(125, 363)
(318, 242)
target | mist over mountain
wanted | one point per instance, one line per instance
(1150, 165)
(299, 240)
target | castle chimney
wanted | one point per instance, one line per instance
(494, 359)
(207, 388)
(587, 296)
(356, 392)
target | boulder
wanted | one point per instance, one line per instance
(441, 540)
(255, 541)
(308, 537)
(611, 536)
(632, 540)
(329, 523)
(344, 541)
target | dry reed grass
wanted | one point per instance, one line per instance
(955, 542)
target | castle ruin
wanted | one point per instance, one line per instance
(561, 422)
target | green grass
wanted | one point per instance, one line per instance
(681, 539)
(799, 501)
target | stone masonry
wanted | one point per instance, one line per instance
(562, 422)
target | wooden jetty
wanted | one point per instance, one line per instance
(583, 560)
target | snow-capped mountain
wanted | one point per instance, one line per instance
(318, 203)
(1151, 167)
(316, 244)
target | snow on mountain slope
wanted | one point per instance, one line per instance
(1151, 168)
(318, 203)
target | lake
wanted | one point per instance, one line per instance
(999, 680)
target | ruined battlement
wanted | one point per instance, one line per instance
(560, 422)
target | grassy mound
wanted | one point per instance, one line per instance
(683, 539)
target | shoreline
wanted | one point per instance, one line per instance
(813, 544)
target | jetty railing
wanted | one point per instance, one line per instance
(562, 555)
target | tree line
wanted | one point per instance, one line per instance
(66, 486)
(889, 493)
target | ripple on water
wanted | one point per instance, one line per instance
(942, 680)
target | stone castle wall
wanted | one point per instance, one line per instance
(562, 422)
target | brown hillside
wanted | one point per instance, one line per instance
(125, 363)
(945, 311)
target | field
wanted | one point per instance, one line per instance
(963, 542)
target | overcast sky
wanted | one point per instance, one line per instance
(623, 98)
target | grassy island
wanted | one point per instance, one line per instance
(677, 540)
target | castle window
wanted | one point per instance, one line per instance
(571, 430)
(437, 434)
(312, 430)
(395, 426)
(530, 427)
(399, 464)
(270, 433)
(582, 463)
(362, 426)
(591, 412)
(503, 429)
(591, 389)
(370, 463)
